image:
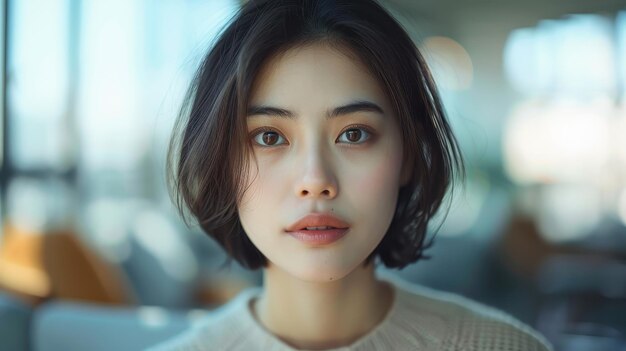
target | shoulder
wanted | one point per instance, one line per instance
(486, 328)
(468, 325)
(224, 327)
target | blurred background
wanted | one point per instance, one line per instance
(94, 256)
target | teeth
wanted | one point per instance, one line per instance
(318, 228)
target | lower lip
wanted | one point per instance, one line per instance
(319, 237)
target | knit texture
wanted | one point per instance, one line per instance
(420, 318)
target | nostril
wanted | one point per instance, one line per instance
(324, 192)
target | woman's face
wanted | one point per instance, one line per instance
(349, 165)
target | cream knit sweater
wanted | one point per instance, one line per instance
(420, 319)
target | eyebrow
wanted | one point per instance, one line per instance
(356, 106)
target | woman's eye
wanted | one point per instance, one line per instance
(355, 135)
(268, 138)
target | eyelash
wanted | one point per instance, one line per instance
(367, 129)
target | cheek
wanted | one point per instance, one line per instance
(268, 177)
(263, 187)
(377, 179)
(378, 174)
(253, 188)
(375, 187)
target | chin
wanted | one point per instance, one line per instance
(324, 271)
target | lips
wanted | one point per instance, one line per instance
(318, 220)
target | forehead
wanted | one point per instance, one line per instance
(315, 75)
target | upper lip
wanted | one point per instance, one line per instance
(318, 220)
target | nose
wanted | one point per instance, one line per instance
(318, 179)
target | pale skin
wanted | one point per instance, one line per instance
(320, 297)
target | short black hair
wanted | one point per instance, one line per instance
(209, 144)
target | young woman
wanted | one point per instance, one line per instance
(312, 143)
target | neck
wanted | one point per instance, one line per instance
(316, 315)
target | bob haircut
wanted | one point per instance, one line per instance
(210, 146)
